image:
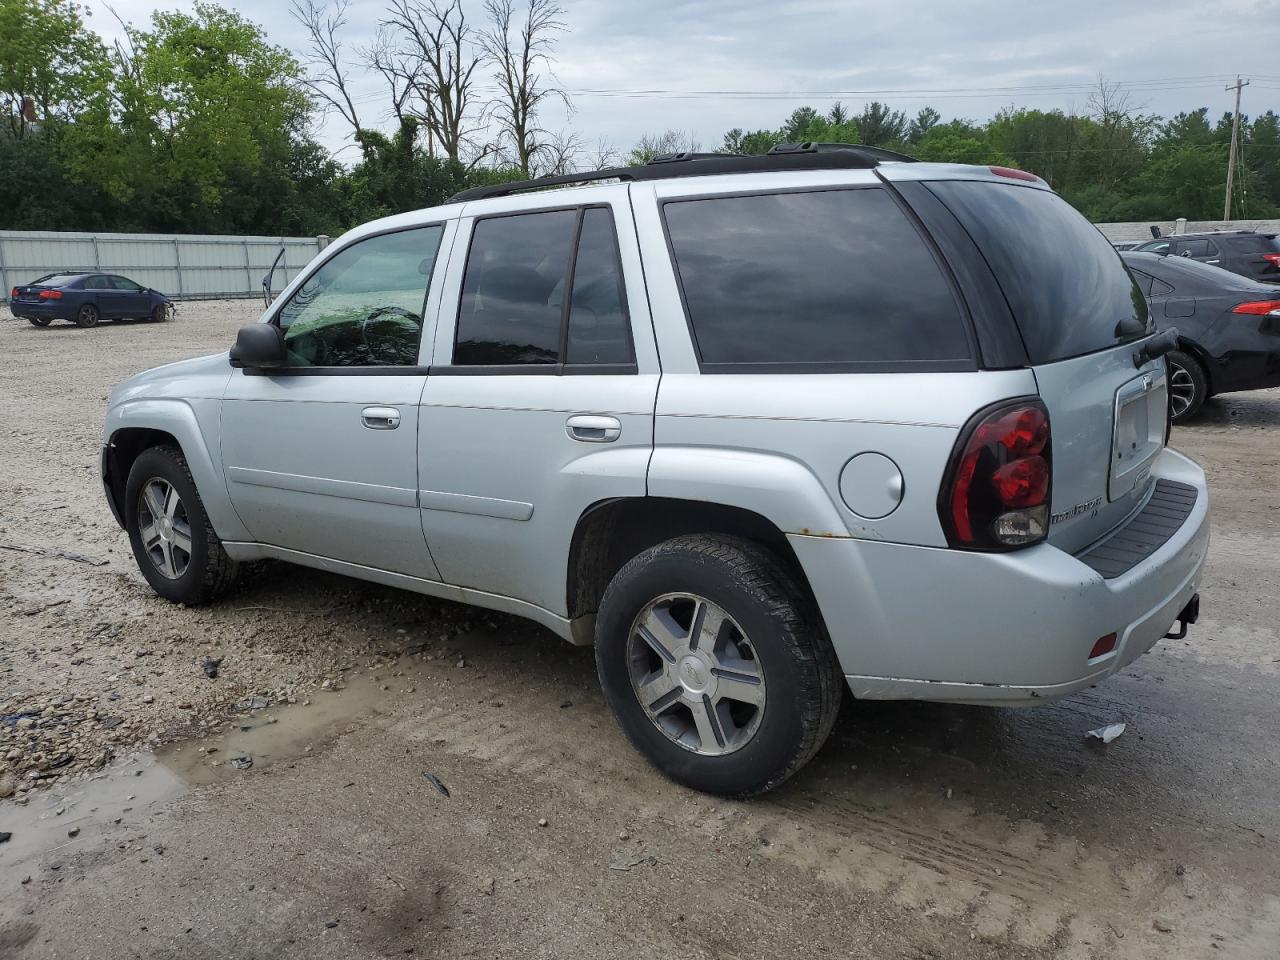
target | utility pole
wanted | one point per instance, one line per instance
(1235, 140)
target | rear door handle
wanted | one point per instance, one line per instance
(380, 418)
(592, 429)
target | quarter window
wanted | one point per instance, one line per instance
(363, 308)
(837, 277)
(527, 301)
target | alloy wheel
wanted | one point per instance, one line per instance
(165, 528)
(1182, 389)
(695, 673)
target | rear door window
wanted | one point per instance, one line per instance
(813, 281)
(528, 301)
(1066, 285)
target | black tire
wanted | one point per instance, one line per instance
(40, 321)
(87, 316)
(1188, 384)
(209, 570)
(160, 314)
(803, 680)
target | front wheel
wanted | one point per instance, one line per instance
(716, 665)
(173, 542)
(87, 316)
(160, 313)
(40, 321)
(1188, 385)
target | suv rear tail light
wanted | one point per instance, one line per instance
(1260, 308)
(50, 294)
(1274, 258)
(13, 294)
(996, 492)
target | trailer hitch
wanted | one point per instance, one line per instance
(1189, 615)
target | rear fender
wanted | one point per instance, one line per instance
(778, 488)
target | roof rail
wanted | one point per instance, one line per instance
(812, 146)
(667, 166)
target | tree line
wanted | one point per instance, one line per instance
(198, 123)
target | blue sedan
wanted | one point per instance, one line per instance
(86, 298)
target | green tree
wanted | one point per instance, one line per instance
(879, 126)
(209, 112)
(48, 56)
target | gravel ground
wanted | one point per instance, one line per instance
(919, 831)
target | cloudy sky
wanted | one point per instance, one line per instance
(703, 66)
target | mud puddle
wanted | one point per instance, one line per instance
(274, 734)
(58, 823)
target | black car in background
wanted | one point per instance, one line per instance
(1228, 328)
(1250, 254)
(86, 298)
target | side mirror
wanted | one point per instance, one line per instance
(259, 346)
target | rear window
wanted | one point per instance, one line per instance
(829, 280)
(1066, 285)
(58, 280)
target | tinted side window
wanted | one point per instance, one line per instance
(836, 276)
(599, 331)
(1252, 243)
(1159, 288)
(1193, 248)
(120, 283)
(513, 293)
(363, 307)
(98, 282)
(1161, 247)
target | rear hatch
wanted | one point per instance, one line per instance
(1080, 316)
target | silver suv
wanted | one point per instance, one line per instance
(756, 427)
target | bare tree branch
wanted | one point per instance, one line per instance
(520, 51)
(436, 57)
(326, 73)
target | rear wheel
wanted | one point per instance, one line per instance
(1188, 385)
(715, 664)
(40, 321)
(87, 316)
(173, 542)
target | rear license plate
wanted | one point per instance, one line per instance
(1139, 431)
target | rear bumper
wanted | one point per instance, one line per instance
(40, 310)
(1016, 628)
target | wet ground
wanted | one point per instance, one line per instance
(228, 822)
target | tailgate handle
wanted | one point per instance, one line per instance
(1156, 347)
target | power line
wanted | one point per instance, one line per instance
(1153, 85)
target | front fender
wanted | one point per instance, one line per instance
(778, 488)
(194, 424)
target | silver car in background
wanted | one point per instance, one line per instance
(758, 428)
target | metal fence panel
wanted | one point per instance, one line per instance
(184, 266)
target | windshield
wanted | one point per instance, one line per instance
(1066, 285)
